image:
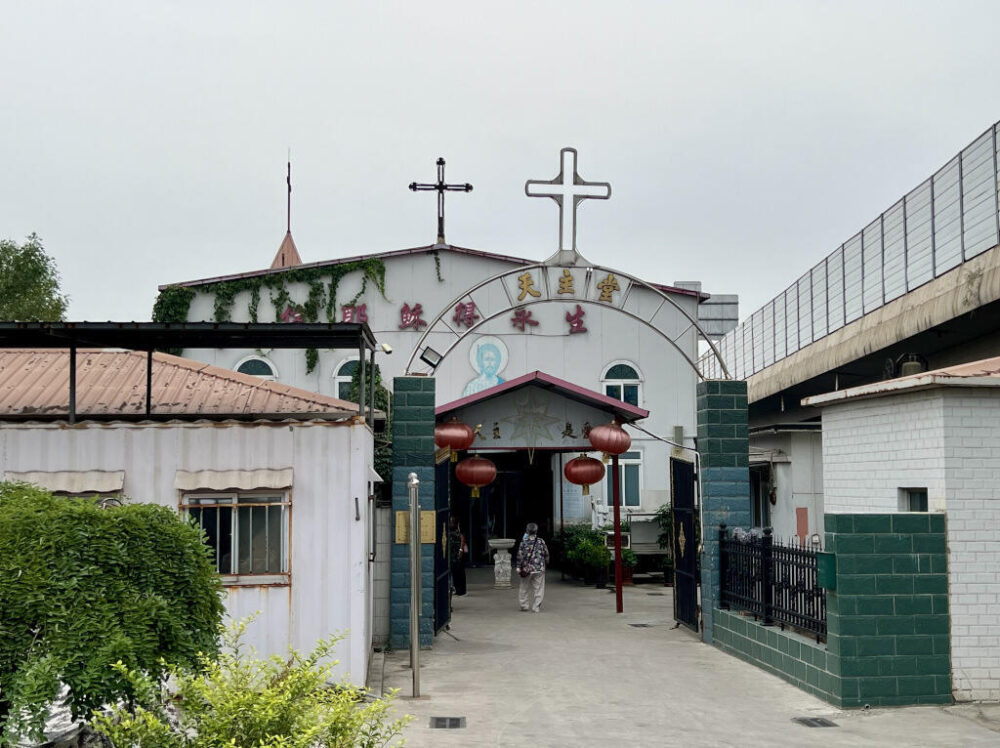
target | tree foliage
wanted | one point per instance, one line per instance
(240, 700)
(383, 439)
(82, 588)
(29, 283)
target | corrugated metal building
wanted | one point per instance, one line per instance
(278, 477)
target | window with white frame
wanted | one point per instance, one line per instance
(621, 381)
(247, 532)
(257, 366)
(342, 378)
(629, 479)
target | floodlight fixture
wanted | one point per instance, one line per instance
(431, 357)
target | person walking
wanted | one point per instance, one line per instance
(532, 556)
(458, 551)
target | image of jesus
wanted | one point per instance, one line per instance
(489, 362)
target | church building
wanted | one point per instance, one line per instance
(474, 320)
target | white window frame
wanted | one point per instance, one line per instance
(622, 462)
(257, 357)
(339, 379)
(605, 381)
(232, 499)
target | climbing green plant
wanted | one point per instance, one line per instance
(174, 302)
(383, 438)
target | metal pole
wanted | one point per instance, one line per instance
(618, 533)
(371, 390)
(414, 485)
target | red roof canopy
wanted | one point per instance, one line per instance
(621, 410)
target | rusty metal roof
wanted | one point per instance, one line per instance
(34, 384)
(983, 373)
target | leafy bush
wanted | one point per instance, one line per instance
(629, 558)
(82, 588)
(241, 700)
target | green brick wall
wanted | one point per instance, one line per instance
(888, 618)
(888, 642)
(800, 661)
(725, 478)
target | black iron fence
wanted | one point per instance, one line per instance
(773, 581)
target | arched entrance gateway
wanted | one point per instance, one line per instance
(531, 335)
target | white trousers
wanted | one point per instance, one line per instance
(531, 591)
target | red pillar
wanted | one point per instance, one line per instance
(618, 533)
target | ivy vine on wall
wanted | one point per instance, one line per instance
(174, 302)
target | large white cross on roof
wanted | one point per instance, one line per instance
(567, 184)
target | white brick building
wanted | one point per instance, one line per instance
(931, 442)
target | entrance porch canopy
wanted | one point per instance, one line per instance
(537, 411)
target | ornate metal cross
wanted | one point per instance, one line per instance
(567, 184)
(441, 188)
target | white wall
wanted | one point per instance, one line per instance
(330, 590)
(668, 389)
(872, 448)
(972, 478)
(798, 479)
(947, 440)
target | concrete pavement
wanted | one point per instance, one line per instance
(577, 674)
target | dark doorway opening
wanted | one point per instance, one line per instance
(521, 493)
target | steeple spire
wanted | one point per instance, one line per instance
(288, 254)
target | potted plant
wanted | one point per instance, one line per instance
(665, 539)
(629, 562)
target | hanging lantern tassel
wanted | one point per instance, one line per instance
(454, 435)
(584, 471)
(476, 472)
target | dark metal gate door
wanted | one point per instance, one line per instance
(685, 546)
(442, 582)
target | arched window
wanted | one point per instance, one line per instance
(257, 366)
(342, 379)
(622, 381)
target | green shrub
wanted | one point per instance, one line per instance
(242, 701)
(82, 588)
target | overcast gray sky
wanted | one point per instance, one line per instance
(146, 142)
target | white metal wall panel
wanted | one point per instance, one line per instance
(893, 238)
(757, 326)
(818, 284)
(768, 334)
(835, 284)
(919, 243)
(947, 219)
(871, 254)
(979, 196)
(792, 318)
(780, 333)
(852, 278)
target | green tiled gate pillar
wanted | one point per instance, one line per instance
(888, 617)
(412, 452)
(724, 448)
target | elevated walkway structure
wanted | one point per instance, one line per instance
(919, 283)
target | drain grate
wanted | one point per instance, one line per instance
(447, 723)
(640, 625)
(655, 594)
(814, 721)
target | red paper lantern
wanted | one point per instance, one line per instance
(584, 471)
(477, 472)
(454, 435)
(610, 438)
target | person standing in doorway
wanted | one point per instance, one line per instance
(458, 551)
(532, 557)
